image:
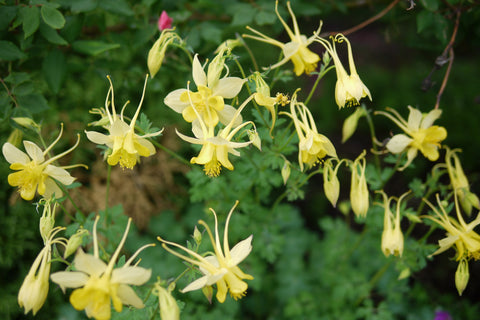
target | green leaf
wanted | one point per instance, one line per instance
(9, 51)
(92, 47)
(265, 17)
(51, 35)
(78, 6)
(430, 5)
(242, 14)
(116, 6)
(52, 17)
(54, 69)
(7, 13)
(31, 20)
(34, 102)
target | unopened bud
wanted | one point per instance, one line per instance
(74, 242)
(286, 171)
(47, 221)
(255, 139)
(208, 293)
(157, 52)
(331, 184)
(405, 273)
(350, 124)
(359, 196)
(15, 137)
(197, 236)
(169, 309)
(26, 122)
(462, 276)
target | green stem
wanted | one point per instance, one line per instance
(372, 134)
(109, 173)
(321, 74)
(190, 57)
(250, 53)
(376, 277)
(172, 153)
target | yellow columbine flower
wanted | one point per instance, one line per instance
(359, 197)
(215, 148)
(460, 183)
(36, 173)
(127, 147)
(421, 134)
(312, 146)
(460, 235)
(349, 89)
(331, 184)
(392, 236)
(34, 289)
(208, 101)
(220, 268)
(98, 283)
(304, 60)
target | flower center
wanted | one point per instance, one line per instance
(30, 176)
(212, 168)
(126, 159)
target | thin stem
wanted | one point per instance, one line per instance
(445, 79)
(250, 53)
(109, 173)
(366, 22)
(172, 153)
(9, 93)
(372, 134)
(190, 57)
(320, 76)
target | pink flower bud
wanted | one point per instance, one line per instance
(164, 22)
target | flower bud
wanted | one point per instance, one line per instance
(47, 221)
(331, 184)
(26, 122)
(208, 293)
(350, 124)
(169, 309)
(74, 242)
(215, 68)
(255, 138)
(359, 190)
(462, 276)
(164, 21)
(15, 137)
(286, 171)
(157, 52)
(197, 236)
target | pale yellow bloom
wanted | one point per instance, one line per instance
(421, 135)
(220, 268)
(215, 148)
(349, 89)
(312, 146)
(462, 275)
(460, 235)
(35, 172)
(127, 146)
(208, 101)
(460, 183)
(359, 197)
(34, 289)
(392, 236)
(304, 60)
(98, 284)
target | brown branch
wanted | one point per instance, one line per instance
(445, 78)
(364, 23)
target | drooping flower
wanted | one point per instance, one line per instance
(421, 135)
(215, 148)
(36, 172)
(304, 60)
(34, 289)
(460, 235)
(359, 196)
(127, 146)
(312, 146)
(263, 98)
(349, 89)
(98, 284)
(208, 101)
(459, 181)
(220, 268)
(164, 21)
(392, 236)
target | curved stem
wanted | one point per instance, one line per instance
(109, 173)
(320, 76)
